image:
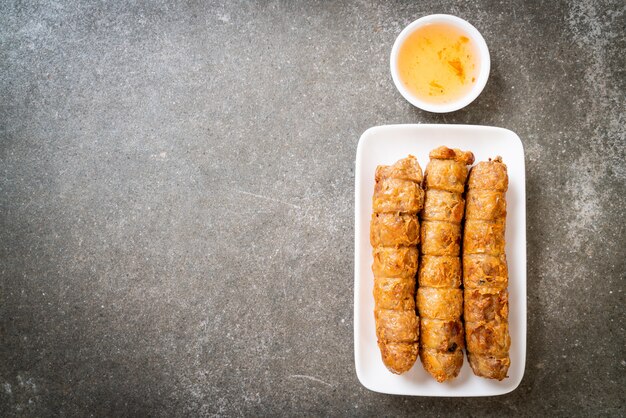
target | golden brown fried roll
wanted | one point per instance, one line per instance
(484, 270)
(439, 299)
(446, 175)
(440, 271)
(440, 364)
(443, 206)
(395, 195)
(395, 262)
(440, 238)
(398, 357)
(487, 338)
(394, 293)
(488, 366)
(485, 304)
(394, 230)
(489, 175)
(485, 205)
(441, 335)
(440, 303)
(483, 237)
(394, 234)
(485, 275)
(396, 326)
(404, 169)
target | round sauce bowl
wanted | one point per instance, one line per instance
(440, 63)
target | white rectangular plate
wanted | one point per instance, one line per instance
(385, 145)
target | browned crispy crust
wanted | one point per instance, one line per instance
(394, 293)
(394, 234)
(398, 357)
(485, 304)
(485, 270)
(398, 196)
(405, 169)
(395, 262)
(440, 271)
(489, 338)
(441, 205)
(394, 230)
(443, 366)
(440, 303)
(485, 275)
(442, 335)
(485, 204)
(445, 153)
(489, 367)
(489, 175)
(396, 325)
(445, 175)
(440, 238)
(484, 237)
(439, 299)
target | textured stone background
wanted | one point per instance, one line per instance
(176, 202)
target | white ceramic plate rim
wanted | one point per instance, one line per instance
(389, 143)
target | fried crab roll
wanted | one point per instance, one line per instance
(439, 298)
(394, 235)
(485, 273)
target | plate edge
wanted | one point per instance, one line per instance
(362, 140)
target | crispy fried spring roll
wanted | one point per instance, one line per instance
(394, 235)
(439, 298)
(485, 276)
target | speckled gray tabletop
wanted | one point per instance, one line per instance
(176, 202)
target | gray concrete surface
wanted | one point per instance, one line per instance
(176, 200)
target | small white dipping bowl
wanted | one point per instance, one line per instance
(484, 62)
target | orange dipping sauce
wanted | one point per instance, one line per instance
(438, 63)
